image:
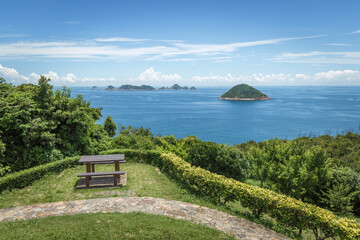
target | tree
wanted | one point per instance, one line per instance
(110, 126)
(39, 125)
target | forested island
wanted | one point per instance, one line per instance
(128, 87)
(244, 92)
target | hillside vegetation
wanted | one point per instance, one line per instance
(38, 126)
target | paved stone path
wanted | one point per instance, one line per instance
(227, 223)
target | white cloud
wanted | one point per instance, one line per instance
(316, 57)
(13, 35)
(339, 44)
(13, 76)
(345, 77)
(355, 32)
(110, 48)
(120, 39)
(149, 75)
(152, 77)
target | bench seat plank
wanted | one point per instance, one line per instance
(89, 174)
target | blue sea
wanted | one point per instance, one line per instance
(293, 112)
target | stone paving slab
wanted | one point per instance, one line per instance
(225, 222)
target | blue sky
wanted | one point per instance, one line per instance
(186, 42)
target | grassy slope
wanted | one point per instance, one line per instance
(143, 180)
(108, 226)
(243, 91)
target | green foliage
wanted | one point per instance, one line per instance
(243, 91)
(291, 169)
(4, 170)
(330, 157)
(339, 198)
(110, 126)
(343, 149)
(135, 138)
(286, 210)
(26, 177)
(350, 179)
(41, 125)
(221, 159)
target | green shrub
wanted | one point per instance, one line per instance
(351, 179)
(152, 157)
(221, 159)
(26, 177)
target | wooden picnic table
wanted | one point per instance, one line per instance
(116, 159)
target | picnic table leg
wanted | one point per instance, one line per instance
(88, 178)
(117, 168)
(115, 180)
(93, 167)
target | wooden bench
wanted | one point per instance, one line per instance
(91, 174)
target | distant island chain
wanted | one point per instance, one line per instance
(129, 87)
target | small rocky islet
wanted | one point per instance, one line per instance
(244, 92)
(128, 87)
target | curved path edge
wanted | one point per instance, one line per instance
(225, 222)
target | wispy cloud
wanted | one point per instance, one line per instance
(112, 48)
(71, 22)
(355, 32)
(316, 57)
(339, 44)
(120, 39)
(12, 35)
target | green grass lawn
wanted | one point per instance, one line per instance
(108, 226)
(142, 180)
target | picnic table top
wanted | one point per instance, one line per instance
(99, 158)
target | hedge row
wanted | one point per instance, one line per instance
(286, 210)
(26, 177)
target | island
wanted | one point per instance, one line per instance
(129, 87)
(244, 92)
(177, 87)
(110, 88)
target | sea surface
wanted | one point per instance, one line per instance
(293, 112)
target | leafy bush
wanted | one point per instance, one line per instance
(110, 126)
(134, 138)
(221, 159)
(290, 168)
(26, 177)
(344, 149)
(152, 157)
(350, 179)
